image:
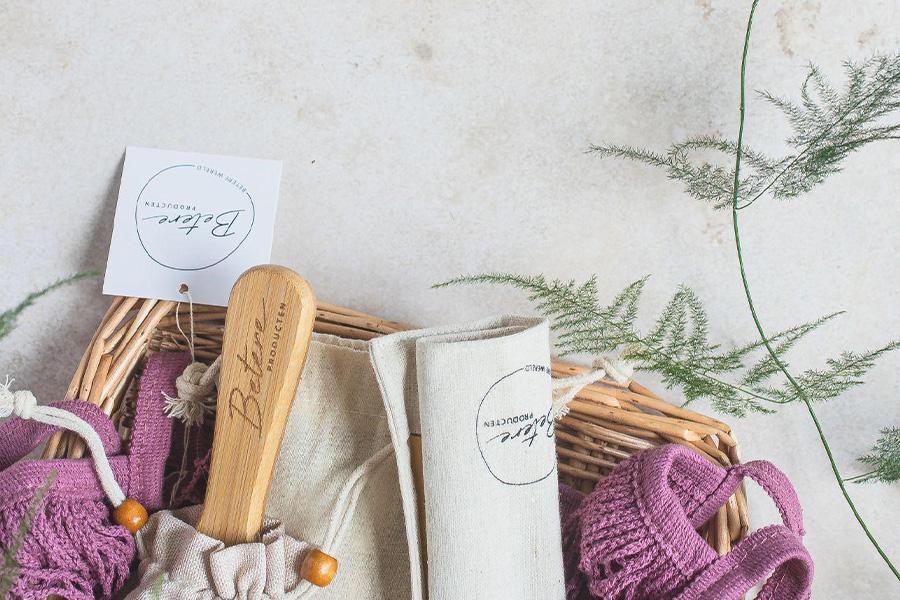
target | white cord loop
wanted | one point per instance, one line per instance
(566, 388)
(617, 369)
(23, 404)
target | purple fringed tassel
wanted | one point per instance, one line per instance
(72, 550)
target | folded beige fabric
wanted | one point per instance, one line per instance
(180, 563)
(480, 396)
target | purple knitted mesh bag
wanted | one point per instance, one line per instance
(637, 539)
(73, 549)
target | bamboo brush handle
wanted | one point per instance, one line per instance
(267, 331)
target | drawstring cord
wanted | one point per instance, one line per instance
(24, 405)
(346, 505)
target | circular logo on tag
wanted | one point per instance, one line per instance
(191, 217)
(515, 427)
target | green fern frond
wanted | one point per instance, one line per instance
(840, 375)
(8, 317)
(783, 341)
(827, 126)
(678, 348)
(884, 458)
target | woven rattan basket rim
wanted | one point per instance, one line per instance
(607, 421)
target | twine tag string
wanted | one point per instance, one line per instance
(196, 388)
(186, 291)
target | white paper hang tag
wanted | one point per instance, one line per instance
(187, 218)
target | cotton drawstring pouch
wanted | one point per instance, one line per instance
(335, 481)
(480, 397)
(72, 547)
(636, 533)
(334, 489)
(180, 563)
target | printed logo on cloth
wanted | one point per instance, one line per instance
(515, 428)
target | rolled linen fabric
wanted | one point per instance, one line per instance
(480, 397)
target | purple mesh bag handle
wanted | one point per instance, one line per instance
(139, 471)
(774, 549)
(639, 532)
(769, 478)
(151, 435)
(18, 437)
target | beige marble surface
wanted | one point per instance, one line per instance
(426, 139)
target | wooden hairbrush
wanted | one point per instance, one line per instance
(268, 327)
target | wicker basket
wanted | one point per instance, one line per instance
(606, 424)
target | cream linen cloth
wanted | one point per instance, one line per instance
(337, 423)
(480, 396)
(181, 563)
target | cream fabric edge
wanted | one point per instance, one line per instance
(397, 353)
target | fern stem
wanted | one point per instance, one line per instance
(801, 393)
(861, 476)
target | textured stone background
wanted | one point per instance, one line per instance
(424, 140)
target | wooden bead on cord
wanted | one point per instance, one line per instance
(131, 515)
(318, 568)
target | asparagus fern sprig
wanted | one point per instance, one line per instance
(827, 125)
(884, 458)
(9, 317)
(736, 380)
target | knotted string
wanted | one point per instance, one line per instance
(617, 369)
(566, 388)
(195, 399)
(198, 381)
(24, 405)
